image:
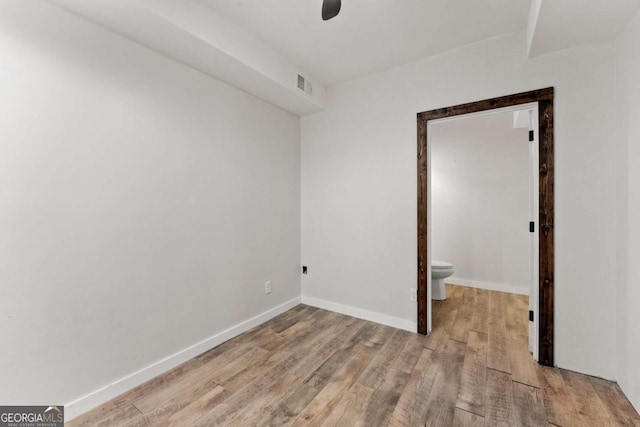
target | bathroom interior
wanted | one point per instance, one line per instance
(484, 190)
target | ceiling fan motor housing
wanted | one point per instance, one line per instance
(330, 8)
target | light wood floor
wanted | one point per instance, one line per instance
(315, 367)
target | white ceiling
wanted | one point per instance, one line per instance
(369, 36)
(563, 24)
(197, 37)
(260, 46)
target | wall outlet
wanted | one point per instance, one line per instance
(413, 295)
(267, 287)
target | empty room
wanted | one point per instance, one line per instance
(319, 212)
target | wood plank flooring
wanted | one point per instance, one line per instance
(311, 367)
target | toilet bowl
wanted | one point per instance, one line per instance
(440, 270)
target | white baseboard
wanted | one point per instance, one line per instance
(360, 313)
(487, 285)
(628, 391)
(104, 394)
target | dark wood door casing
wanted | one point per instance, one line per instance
(544, 98)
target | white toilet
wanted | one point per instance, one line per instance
(440, 270)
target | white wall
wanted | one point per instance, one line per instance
(628, 205)
(142, 206)
(480, 201)
(359, 184)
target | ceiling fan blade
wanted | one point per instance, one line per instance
(330, 8)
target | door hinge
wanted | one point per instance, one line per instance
(531, 135)
(532, 227)
(530, 315)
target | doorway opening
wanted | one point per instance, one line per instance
(542, 284)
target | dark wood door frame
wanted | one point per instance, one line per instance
(544, 98)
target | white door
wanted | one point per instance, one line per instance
(534, 177)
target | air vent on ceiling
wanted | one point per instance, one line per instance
(304, 85)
